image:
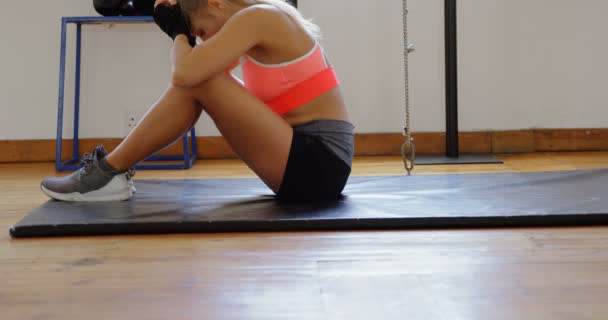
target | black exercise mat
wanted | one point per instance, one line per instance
(399, 202)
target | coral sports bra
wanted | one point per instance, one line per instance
(289, 85)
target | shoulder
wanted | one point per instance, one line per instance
(262, 10)
(263, 15)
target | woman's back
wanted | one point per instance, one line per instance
(286, 41)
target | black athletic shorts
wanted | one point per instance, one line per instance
(314, 173)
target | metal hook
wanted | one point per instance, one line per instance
(409, 156)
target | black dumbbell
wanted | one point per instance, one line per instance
(108, 8)
(124, 7)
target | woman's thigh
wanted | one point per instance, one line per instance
(260, 137)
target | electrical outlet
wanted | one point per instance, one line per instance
(131, 118)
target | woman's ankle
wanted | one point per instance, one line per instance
(108, 164)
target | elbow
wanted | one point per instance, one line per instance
(182, 76)
(180, 79)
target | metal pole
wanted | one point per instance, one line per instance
(61, 95)
(452, 155)
(75, 151)
(451, 72)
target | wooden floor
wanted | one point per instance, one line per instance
(559, 273)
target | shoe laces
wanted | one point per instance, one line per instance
(86, 162)
(130, 173)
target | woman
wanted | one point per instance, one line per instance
(286, 120)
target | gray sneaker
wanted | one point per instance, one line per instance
(91, 182)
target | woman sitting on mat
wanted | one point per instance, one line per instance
(286, 119)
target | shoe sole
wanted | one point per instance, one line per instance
(79, 197)
(103, 194)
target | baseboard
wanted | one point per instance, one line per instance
(373, 144)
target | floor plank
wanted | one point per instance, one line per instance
(528, 273)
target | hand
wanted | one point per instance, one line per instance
(171, 20)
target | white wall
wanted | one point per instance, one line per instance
(523, 64)
(365, 42)
(533, 63)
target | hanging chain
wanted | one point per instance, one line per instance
(408, 149)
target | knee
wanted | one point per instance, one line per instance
(213, 82)
(182, 95)
(214, 88)
(202, 87)
(181, 91)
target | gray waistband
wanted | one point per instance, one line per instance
(337, 135)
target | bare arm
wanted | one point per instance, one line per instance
(181, 49)
(192, 66)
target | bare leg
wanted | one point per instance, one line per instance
(170, 117)
(259, 136)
